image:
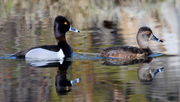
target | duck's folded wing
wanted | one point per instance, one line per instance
(21, 54)
(122, 52)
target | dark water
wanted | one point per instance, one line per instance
(87, 77)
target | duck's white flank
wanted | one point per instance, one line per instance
(43, 54)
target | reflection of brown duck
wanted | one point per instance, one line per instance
(146, 74)
(143, 36)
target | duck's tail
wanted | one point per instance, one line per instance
(18, 55)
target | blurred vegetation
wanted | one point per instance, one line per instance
(83, 13)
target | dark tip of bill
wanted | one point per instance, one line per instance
(161, 40)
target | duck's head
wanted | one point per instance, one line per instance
(144, 35)
(61, 26)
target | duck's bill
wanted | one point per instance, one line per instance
(154, 38)
(73, 29)
(77, 80)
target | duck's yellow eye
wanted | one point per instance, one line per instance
(65, 23)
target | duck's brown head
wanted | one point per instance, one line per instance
(144, 35)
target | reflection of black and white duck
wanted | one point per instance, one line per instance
(128, 52)
(63, 85)
(52, 52)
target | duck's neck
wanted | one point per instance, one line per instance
(61, 39)
(143, 44)
(62, 44)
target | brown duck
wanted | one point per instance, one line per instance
(128, 52)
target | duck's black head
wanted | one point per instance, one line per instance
(61, 26)
(144, 35)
